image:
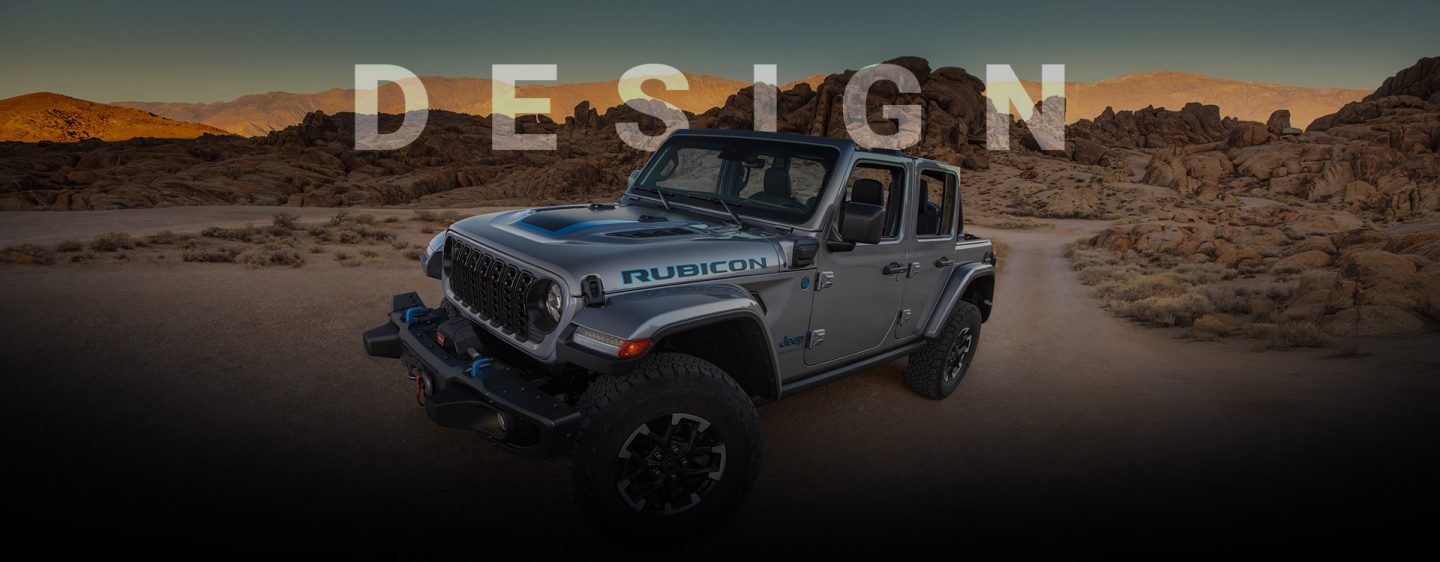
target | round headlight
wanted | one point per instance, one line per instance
(554, 301)
(544, 303)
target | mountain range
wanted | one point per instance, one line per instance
(258, 114)
(27, 118)
(1248, 101)
(52, 117)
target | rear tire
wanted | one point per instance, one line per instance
(674, 445)
(936, 369)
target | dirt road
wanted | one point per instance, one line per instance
(212, 398)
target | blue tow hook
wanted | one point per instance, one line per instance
(478, 367)
(411, 312)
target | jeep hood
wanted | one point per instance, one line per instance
(627, 246)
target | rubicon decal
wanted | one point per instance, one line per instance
(681, 271)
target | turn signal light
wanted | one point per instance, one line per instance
(632, 348)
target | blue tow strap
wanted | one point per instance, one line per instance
(478, 367)
(411, 312)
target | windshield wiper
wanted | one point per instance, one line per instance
(658, 191)
(721, 200)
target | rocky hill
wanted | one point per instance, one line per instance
(51, 117)
(1338, 223)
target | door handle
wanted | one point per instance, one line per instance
(943, 262)
(895, 269)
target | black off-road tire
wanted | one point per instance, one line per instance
(933, 372)
(667, 394)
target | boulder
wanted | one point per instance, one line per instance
(1248, 134)
(1312, 244)
(1279, 123)
(81, 177)
(1087, 151)
(1303, 261)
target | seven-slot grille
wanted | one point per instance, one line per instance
(489, 286)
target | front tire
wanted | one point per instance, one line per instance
(676, 445)
(936, 369)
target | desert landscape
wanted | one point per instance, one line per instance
(1242, 298)
(1218, 225)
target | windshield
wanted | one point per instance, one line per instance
(777, 181)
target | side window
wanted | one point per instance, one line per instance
(891, 180)
(936, 213)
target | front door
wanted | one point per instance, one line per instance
(858, 292)
(932, 248)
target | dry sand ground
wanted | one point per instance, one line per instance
(179, 398)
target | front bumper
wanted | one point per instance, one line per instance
(486, 395)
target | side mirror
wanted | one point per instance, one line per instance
(862, 223)
(634, 175)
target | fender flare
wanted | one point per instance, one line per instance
(656, 313)
(960, 281)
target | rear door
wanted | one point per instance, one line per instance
(934, 224)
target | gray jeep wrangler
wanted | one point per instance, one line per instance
(636, 338)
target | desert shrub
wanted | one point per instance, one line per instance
(1083, 257)
(26, 254)
(82, 258)
(168, 238)
(365, 218)
(69, 246)
(369, 253)
(1164, 310)
(427, 229)
(1141, 286)
(413, 253)
(341, 217)
(1233, 300)
(1280, 291)
(1210, 327)
(445, 217)
(360, 233)
(391, 220)
(399, 244)
(317, 250)
(1202, 273)
(1109, 274)
(248, 234)
(376, 234)
(223, 254)
(341, 256)
(1288, 335)
(273, 257)
(351, 263)
(285, 220)
(111, 242)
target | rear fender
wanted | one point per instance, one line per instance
(960, 282)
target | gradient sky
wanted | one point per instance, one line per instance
(211, 51)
